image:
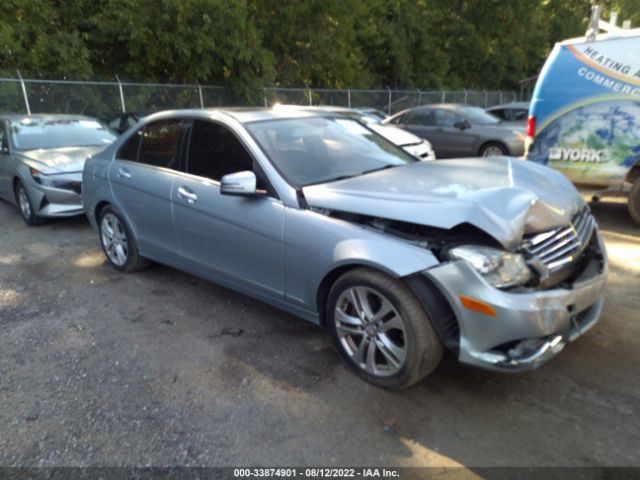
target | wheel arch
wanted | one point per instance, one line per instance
(634, 172)
(324, 287)
(98, 209)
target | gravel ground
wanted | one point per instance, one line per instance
(162, 368)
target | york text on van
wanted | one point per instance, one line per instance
(578, 155)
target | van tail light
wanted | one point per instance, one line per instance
(531, 133)
(531, 126)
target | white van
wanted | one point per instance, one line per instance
(584, 118)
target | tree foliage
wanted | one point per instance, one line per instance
(320, 43)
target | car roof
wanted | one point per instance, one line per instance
(245, 114)
(44, 116)
(511, 105)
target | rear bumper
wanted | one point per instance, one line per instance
(528, 329)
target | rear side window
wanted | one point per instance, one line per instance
(4, 140)
(161, 144)
(214, 151)
(520, 114)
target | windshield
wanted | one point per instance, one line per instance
(318, 150)
(479, 116)
(34, 133)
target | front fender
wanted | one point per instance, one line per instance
(394, 257)
(318, 248)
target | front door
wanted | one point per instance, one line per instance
(457, 141)
(232, 239)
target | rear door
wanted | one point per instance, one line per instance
(5, 160)
(231, 239)
(142, 178)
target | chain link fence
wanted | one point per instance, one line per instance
(106, 99)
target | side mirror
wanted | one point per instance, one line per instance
(239, 183)
(462, 125)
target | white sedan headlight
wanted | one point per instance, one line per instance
(501, 269)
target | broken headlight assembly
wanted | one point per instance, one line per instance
(500, 268)
(49, 180)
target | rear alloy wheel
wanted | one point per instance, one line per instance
(118, 244)
(493, 149)
(25, 206)
(381, 330)
(633, 202)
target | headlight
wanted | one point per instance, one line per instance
(501, 269)
(48, 180)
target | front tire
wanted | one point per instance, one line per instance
(381, 330)
(118, 243)
(493, 149)
(633, 202)
(25, 206)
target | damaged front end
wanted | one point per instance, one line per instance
(521, 327)
(551, 293)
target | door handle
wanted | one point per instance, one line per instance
(124, 173)
(187, 194)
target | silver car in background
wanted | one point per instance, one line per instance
(461, 130)
(410, 143)
(497, 260)
(41, 161)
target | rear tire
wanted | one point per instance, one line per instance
(26, 206)
(118, 243)
(493, 149)
(633, 202)
(381, 330)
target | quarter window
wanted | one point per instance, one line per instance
(129, 151)
(214, 151)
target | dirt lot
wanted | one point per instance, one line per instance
(162, 368)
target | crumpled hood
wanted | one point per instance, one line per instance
(503, 196)
(59, 160)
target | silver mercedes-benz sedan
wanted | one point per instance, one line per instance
(497, 260)
(41, 160)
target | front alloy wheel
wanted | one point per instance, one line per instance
(24, 203)
(381, 330)
(371, 331)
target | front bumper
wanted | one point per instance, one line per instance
(52, 202)
(528, 329)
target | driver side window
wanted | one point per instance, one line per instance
(214, 151)
(446, 119)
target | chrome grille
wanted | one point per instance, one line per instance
(559, 247)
